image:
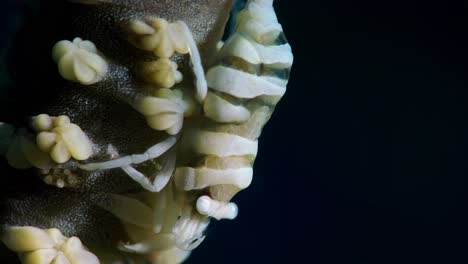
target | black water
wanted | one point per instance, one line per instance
(365, 159)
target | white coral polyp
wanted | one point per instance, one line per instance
(49, 246)
(79, 61)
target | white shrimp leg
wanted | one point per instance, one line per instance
(161, 178)
(187, 178)
(216, 209)
(153, 152)
(157, 242)
(139, 178)
(200, 81)
(164, 175)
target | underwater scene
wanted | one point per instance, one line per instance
(233, 131)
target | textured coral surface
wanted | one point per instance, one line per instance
(146, 126)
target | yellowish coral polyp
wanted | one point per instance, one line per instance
(164, 39)
(163, 73)
(79, 61)
(61, 139)
(38, 246)
(159, 36)
(165, 110)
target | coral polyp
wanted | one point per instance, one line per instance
(154, 132)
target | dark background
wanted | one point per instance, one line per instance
(364, 160)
